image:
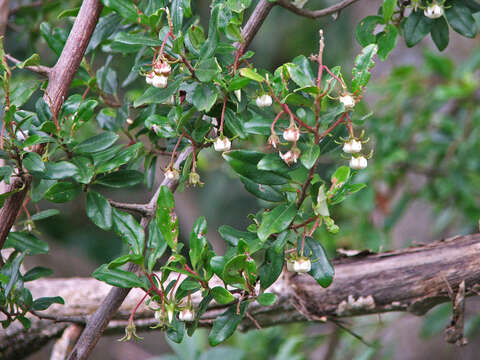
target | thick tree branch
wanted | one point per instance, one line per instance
(410, 280)
(255, 21)
(314, 14)
(60, 77)
(4, 14)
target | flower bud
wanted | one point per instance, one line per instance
(194, 179)
(264, 100)
(301, 265)
(160, 81)
(358, 163)
(186, 314)
(222, 144)
(273, 140)
(433, 11)
(22, 135)
(290, 264)
(162, 68)
(149, 77)
(290, 156)
(172, 174)
(129, 121)
(352, 146)
(291, 134)
(347, 100)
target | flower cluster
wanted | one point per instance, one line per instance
(158, 76)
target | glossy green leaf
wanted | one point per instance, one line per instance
(85, 169)
(204, 96)
(124, 8)
(252, 75)
(155, 95)
(26, 243)
(23, 91)
(461, 20)
(207, 69)
(156, 244)
(416, 27)
(96, 143)
(439, 33)
(272, 266)
(33, 163)
(117, 277)
(44, 214)
(63, 192)
(322, 270)
(224, 325)
(261, 191)
(198, 241)
(166, 218)
(363, 63)
(388, 9)
(237, 268)
(386, 41)
(222, 295)
(210, 45)
(36, 273)
(99, 210)
(44, 303)
(129, 229)
(276, 220)
(120, 179)
(365, 30)
(267, 299)
(244, 162)
(59, 170)
(310, 155)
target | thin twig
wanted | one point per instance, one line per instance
(314, 14)
(39, 69)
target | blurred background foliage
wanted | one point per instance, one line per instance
(423, 181)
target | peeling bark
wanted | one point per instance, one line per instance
(410, 280)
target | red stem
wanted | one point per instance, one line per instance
(223, 113)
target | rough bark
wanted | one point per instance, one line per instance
(410, 280)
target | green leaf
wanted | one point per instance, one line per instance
(244, 162)
(155, 95)
(36, 273)
(301, 73)
(210, 45)
(388, 9)
(264, 192)
(85, 169)
(23, 91)
(310, 155)
(44, 303)
(124, 8)
(461, 20)
(207, 69)
(99, 210)
(177, 15)
(365, 30)
(176, 330)
(416, 27)
(252, 75)
(341, 175)
(129, 229)
(237, 268)
(62, 192)
(276, 220)
(224, 325)
(166, 218)
(33, 163)
(272, 266)
(45, 214)
(120, 179)
(322, 270)
(59, 170)
(156, 244)
(124, 156)
(386, 41)
(439, 33)
(273, 162)
(26, 243)
(222, 295)
(198, 241)
(204, 96)
(363, 63)
(32, 60)
(136, 39)
(267, 299)
(96, 143)
(107, 79)
(117, 277)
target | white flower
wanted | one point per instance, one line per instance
(290, 156)
(22, 135)
(149, 78)
(160, 81)
(347, 100)
(264, 100)
(291, 134)
(358, 163)
(290, 264)
(352, 146)
(129, 121)
(302, 265)
(172, 174)
(162, 68)
(273, 140)
(433, 11)
(186, 314)
(222, 144)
